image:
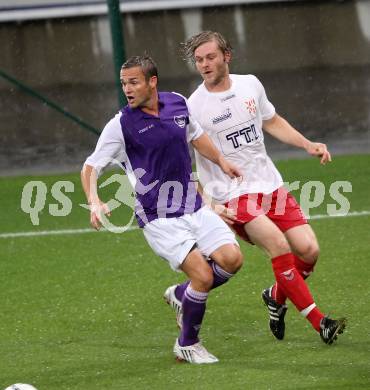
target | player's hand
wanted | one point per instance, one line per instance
(97, 211)
(228, 215)
(230, 169)
(319, 150)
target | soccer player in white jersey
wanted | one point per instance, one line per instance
(150, 136)
(234, 110)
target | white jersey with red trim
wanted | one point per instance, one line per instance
(233, 120)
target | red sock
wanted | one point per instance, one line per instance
(294, 287)
(278, 294)
(304, 269)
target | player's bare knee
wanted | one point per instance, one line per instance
(310, 252)
(204, 279)
(233, 260)
(237, 261)
(314, 253)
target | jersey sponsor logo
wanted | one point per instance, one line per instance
(242, 136)
(224, 99)
(146, 128)
(223, 117)
(251, 106)
(236, 138)
(180, 120)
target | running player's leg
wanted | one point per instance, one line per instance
(305, 247)
(195, 296)
(174, 240)
(214, 240)
(264, 233)
(188, 346)
(286, 213)
(303, 242)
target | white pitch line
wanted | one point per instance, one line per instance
(82, 231)
(61, 232)
(352, 214)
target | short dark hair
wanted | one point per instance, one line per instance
(145, 62)
(189, 47)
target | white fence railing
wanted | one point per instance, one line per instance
(44, 9)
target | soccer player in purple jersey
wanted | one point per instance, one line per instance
(150, 136)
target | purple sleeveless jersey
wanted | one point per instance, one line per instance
(158, 153)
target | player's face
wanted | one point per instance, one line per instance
(211, 63)
(137, 89)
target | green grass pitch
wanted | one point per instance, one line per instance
(85, 311)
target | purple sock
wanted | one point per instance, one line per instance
(180, 289)
(193, 309)
(220, 276)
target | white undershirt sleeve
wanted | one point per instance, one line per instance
(110, 149)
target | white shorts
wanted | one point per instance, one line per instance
(173, 238)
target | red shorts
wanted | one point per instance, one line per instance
(280, 207)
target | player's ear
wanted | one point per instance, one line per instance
(153, 81)
(227, 56)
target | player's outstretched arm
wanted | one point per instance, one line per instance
(89, 179)
(282, 130)
(206, 148)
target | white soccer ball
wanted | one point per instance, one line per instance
(21, 386)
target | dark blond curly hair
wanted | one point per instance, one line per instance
(189, 47)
